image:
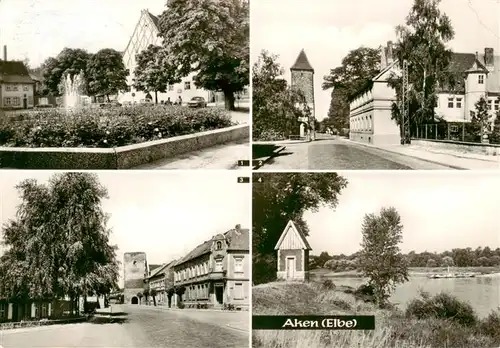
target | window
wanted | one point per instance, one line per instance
(3, 310)
(7, 101)
(15, 88)
(489, 104)
(238, 265)
(218, 265)
(450, 102)
(480, 79)
(238, 291)
(187, 85)
(496, 104)
(25, 88)
(16, 101)
(170, 87)
(8, 87)
(454, 128)
(218, 246)
(459, 103)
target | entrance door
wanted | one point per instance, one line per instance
(302, 130)
(135, 300)
(25, 103)
(290, 267)
(219, 294)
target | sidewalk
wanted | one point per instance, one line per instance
(445, 157)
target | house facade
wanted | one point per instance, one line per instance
(145, 34)
(17, 88)
(293, 254)
(478, 76)
(216, 273)
(158, 280)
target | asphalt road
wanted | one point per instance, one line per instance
(327, 153)
(142, 327)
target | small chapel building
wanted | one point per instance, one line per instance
(293, 254)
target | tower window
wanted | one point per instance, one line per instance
(459, 103)
(218, 246)
(480, 79)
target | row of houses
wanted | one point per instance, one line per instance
(215, 274)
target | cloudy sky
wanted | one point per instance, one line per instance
(439, 210)
(165, 214)
(38, 29)
(328, 30)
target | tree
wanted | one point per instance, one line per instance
(58, 244)
(431, 263)
(355, 74)
(140, 296)
(495, 133)
(480, 120)
(153, 295)
(151, 73)
(381, 260)
(447, 261)
(211, 38)
(276, 108)
(422, 43)
(69, 62)
(281, 197)
(146, 295)
(106, 73)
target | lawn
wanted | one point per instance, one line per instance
(393, 328)
(107, 128)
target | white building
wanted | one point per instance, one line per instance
(145, 34)
(370, 112)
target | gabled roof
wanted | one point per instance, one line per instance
(238, 240)
(302, 63)
(161, 269)
(152, 18)
(290, 226)
(14, 72)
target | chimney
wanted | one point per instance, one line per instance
(383, 58)
(5, 52)
(390, 57)
(489, 59)
(237, 227)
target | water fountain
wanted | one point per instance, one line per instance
(72, 88)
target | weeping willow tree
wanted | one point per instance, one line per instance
(422, 43)
(58, 244)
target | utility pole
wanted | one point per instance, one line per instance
(405, 107)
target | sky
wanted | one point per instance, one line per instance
(39, 29)
(439, 210)
(328, 30)
(162, 213)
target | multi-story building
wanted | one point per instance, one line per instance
(478, 76)
(158, 280)
(216, 273)
(17, 88)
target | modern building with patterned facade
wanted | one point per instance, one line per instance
(216, 273)
(17, 88)
(478, 76)
(145, 34)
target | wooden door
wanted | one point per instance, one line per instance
(290, 267)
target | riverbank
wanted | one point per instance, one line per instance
(413, 271)
(393, 328)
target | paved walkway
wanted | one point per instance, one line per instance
(218, 157)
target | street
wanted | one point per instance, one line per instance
(328, 152)
(143, 326)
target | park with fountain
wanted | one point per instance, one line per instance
(76, 136)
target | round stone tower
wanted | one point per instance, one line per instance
(302, 79)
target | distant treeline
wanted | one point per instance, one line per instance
(467, 257)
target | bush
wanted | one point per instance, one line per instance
(444, 306)
(328, 284)
(490, 326)
(106, 128)
(181, 305)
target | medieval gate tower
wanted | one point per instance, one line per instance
(135, 269)
(303, 80)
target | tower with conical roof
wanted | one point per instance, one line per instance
(302, 78)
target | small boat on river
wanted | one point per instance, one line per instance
(451, 275)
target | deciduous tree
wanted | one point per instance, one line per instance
(381, 260)
(422, 43)
(106, 73)
(211, 38)
(281, 197)
(480, 120)
(151, 73)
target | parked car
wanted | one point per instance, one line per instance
(44, 106)
(197, 102)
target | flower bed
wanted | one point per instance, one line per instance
(107, 128)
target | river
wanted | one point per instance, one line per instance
(482, 292)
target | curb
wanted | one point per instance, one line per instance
(415, 157)
(231, 327)
(37, 324)
(123, 157)
(266, 159)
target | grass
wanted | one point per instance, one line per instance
(393, 328)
